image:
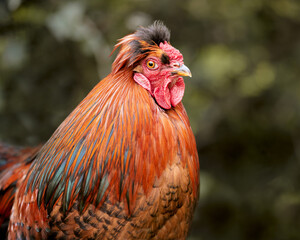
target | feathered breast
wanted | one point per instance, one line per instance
(116, 141)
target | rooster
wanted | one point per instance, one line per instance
(122, 165)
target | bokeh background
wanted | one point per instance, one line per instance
(243, 100)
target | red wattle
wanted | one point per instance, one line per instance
(166, 94)
(162, 97)
(177, 91)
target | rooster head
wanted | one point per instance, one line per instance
(156, 65)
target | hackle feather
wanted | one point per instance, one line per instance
(111, 151)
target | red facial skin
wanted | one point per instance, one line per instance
(166, 87)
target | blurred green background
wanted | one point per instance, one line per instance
(243, 100)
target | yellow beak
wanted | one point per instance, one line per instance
(183, 71)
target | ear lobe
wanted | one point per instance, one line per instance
(142, 80)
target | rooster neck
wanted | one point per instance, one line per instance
(115, 142)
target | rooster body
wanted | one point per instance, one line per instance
(123, 164)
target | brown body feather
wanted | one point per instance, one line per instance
(144, 143)
(14, 165)
(118, 167)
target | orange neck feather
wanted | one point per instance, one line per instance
(116, 141)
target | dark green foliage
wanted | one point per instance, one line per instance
(243, 100)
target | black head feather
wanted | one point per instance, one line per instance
(136, 46)
(154, 34)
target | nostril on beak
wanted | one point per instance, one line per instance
(176, 65)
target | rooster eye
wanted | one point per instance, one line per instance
(151, 64)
